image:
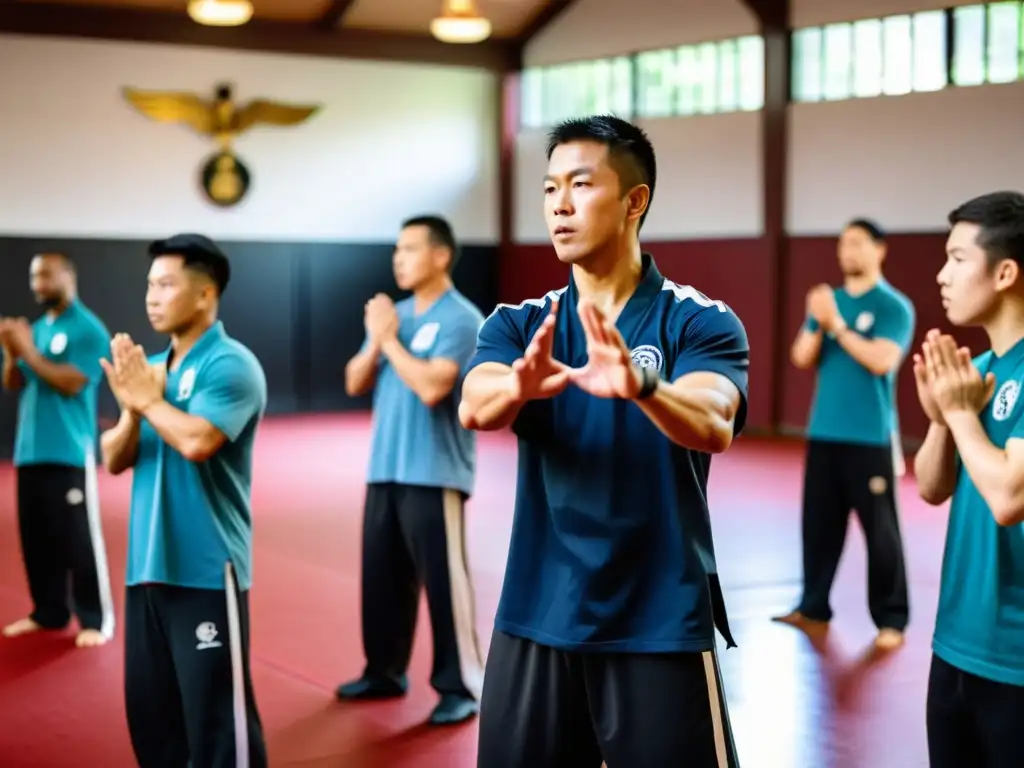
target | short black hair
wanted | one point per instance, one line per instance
(199, 253)
(873, 230)
(630, 152)
(65, 260)
(439, 232)
(1000, 216)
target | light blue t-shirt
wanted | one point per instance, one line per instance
(851, 404)
(188, 520)
(413, 444)
(54, 428)
(980, 623)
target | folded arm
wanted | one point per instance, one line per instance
(997, 473)
(65, 378)
(193, 437)
(361, 370)
(119, 445)
(893, 331)
(487, 400)
(13, 378)
(432, 379)
(935, 465)
(806, 348)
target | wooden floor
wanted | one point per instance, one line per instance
(792, 706)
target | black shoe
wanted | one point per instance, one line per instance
(373, 688)
(453, 709)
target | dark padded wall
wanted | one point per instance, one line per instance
(298, 306)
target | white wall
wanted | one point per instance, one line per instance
(392, 141)
(904, 160)
(593, 29)
(709, 179)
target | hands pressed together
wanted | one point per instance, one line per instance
(947, 381)
(380, 318)
(136, 383)
(821, 305)
(16, 336)
(609, 371)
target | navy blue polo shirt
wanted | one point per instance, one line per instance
(189, 519)
(611, 544)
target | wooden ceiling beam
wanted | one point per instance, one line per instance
(546, 14)
(128, 24)
(334, 14)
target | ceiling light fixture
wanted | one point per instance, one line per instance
(460, 22)
(220, 13)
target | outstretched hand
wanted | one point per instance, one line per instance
(537, 375)
(609, 371)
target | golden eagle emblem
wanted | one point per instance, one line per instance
(225, 179)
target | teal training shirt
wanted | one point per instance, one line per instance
(980, 623)
(189, 519)
(851, 404)
(54, 428)
(414, 444)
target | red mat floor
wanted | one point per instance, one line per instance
(792, 707)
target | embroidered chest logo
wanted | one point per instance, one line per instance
(864, 322)
(58, 343)
(186, 384)
(1005, 400)
(425, 337)
(647, 356)
(206, 634)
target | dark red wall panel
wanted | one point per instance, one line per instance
(738, 272)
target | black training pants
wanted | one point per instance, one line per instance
(840, 477)
(973, 722)
(62, 540)
(188, 690)
(545, 708)
(414, 536)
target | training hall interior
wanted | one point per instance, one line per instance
(774, 121)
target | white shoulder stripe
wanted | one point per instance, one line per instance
(549, 296)
(684, 292)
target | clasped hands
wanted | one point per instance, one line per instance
(947, 381)
(380, 318)
(821, 305)
(609, 371)
(16, 336)
(136, 383)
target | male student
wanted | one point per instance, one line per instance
(856, 337)
(974, 452)
(189, 417)
(54, 365)
(422, 469)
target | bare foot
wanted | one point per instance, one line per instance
(21, 627)
(798, 620)
(90, 638)
(889, 639)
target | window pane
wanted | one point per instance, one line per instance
(969, 45)
(1003, 42)
(897, 45)
(838, 42)
(867, 58)
(707, 99)
(807, 64)
(622, 87)
(656, 83)
(688, 78)
(751, 66)
(728, 77)
(930, 51)
(531, 98)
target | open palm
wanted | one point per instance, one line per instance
(609, 371)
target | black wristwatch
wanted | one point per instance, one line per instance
(649, 380)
